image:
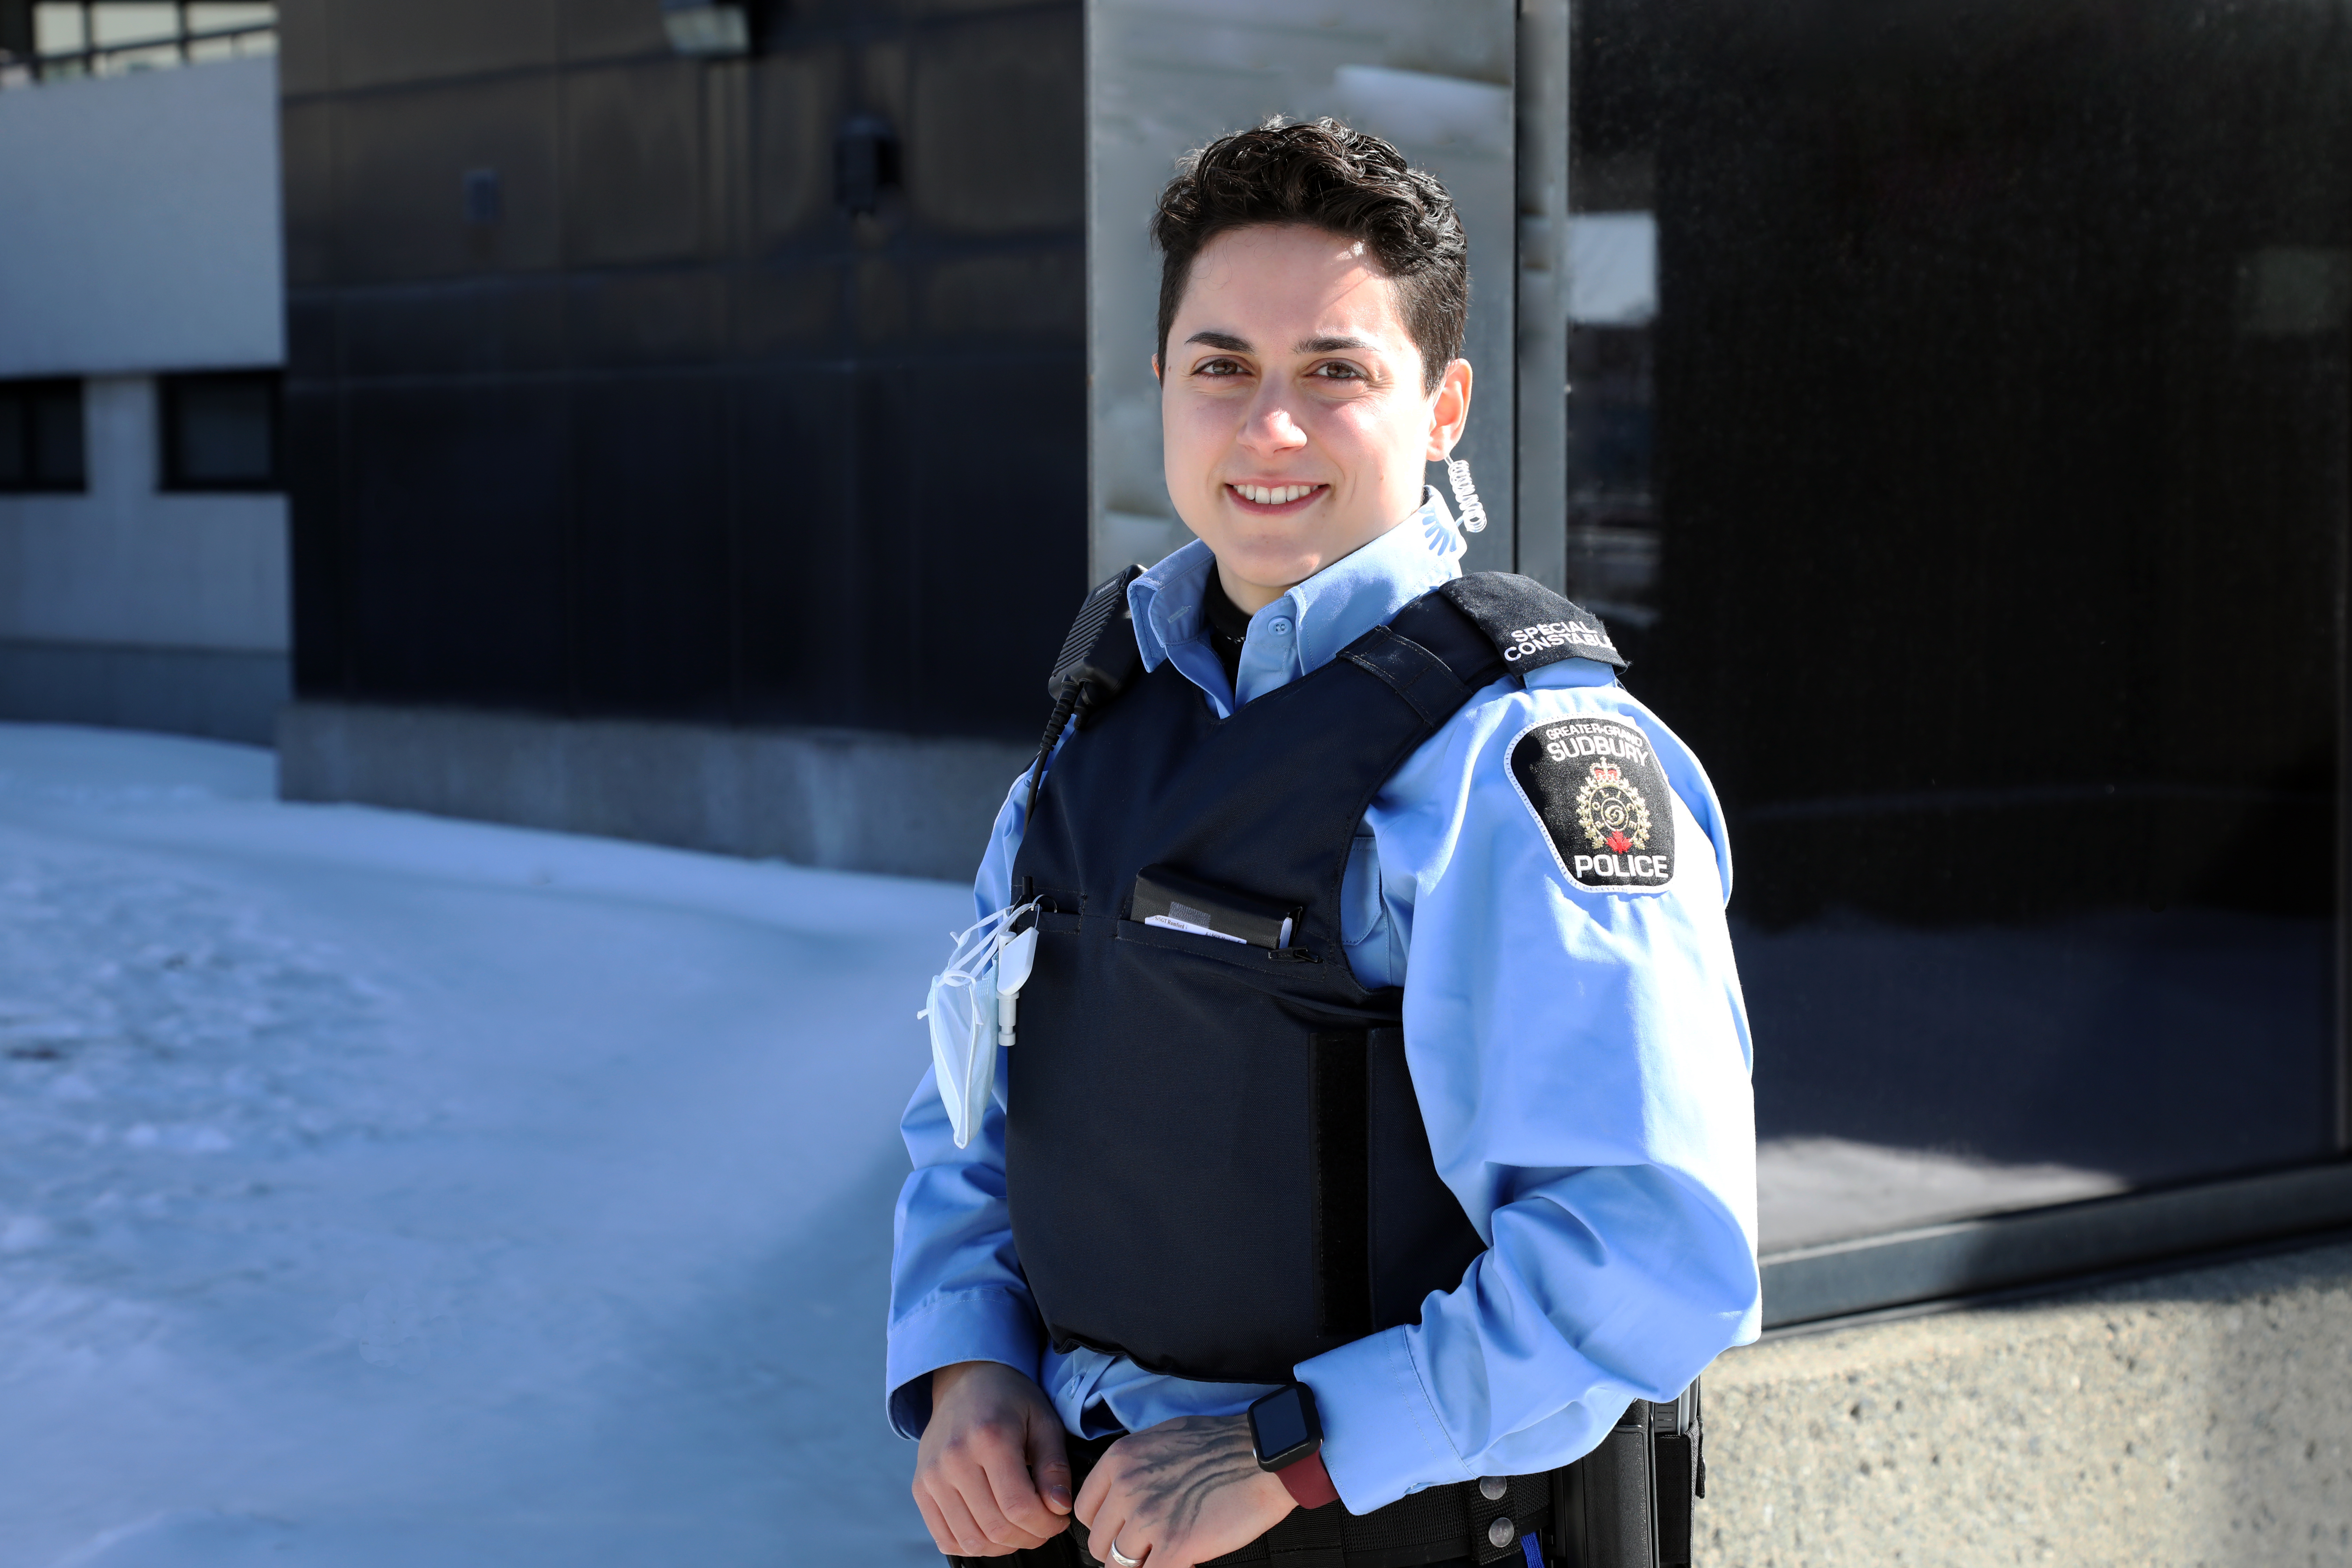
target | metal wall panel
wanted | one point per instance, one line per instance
(641, 421)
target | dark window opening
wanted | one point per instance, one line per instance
(220, 432)
(41, 435)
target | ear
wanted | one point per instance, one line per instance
(1449, 410)
(1155, 369)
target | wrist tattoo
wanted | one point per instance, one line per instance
(1190, 1460)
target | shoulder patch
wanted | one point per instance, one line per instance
(1528, 623)
(1595, 784)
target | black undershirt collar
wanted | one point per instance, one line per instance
(1228, 627)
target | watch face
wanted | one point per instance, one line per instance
(1281, 1424)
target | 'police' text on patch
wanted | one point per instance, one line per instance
(1604, 802)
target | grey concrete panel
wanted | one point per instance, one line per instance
(124, 563)
(228, 695)
(2200, 1417)
(846, 800)
(141, 223)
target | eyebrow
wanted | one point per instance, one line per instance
(1232, 345)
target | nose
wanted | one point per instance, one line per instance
(1270, 429)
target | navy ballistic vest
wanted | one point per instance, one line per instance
(1215, 1161)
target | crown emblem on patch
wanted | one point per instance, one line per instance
(1613, 816)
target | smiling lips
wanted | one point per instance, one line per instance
(1275, 497)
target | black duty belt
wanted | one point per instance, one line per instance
(1438, 1527)
(1627, 1504)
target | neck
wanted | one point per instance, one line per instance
(1248, 597)
(1252, 597)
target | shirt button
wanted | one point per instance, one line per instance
(1279, 626)
(1500, 1532)
(1491, 1487)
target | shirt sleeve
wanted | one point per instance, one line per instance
(1581, 1059)
(956, 1289)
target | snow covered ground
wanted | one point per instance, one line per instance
(383, 1190)
(380, 1190)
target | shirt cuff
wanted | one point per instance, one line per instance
(969, 1325)
(1381, 1437)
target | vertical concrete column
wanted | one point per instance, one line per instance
(1162, 79)
(1542, 350)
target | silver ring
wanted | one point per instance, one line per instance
(1121, 1560)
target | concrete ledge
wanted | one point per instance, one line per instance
(844, 799)
(2203, 1417)
(1978, 1256)
(226, 694)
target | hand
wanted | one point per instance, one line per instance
(992, 1476)
(1183, 1491)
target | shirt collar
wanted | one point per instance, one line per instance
(1304, 629)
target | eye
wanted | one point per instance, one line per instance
(1221, 367)
(1336, 370)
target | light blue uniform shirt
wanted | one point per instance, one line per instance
(1582, 1060)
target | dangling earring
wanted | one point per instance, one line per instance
(1465, 495)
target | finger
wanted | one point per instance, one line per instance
(1049, 1463)
(933, 1520)
(981, 1486)
(1017, 1501)
(970, 1539)
(1099, 1483)
(1109, 1521)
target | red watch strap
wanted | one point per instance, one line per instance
(1308, 1482)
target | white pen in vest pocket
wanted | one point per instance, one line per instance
(1175, 902)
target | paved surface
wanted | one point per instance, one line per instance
(2198, 1418)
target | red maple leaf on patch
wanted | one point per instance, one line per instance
(1618, 842)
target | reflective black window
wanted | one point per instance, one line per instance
(41, 435)
(220, 431)
(1959, 444)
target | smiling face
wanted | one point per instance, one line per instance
(1294, 418)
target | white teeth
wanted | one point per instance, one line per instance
(1272, 495)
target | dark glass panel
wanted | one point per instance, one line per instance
(1988, 543)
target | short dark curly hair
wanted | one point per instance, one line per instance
(1335, 177)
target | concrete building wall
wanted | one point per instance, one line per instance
(124, 564)
(2191, 1420)
(143, 237)
(142, 223)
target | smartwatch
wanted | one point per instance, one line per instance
(1285, 1427)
